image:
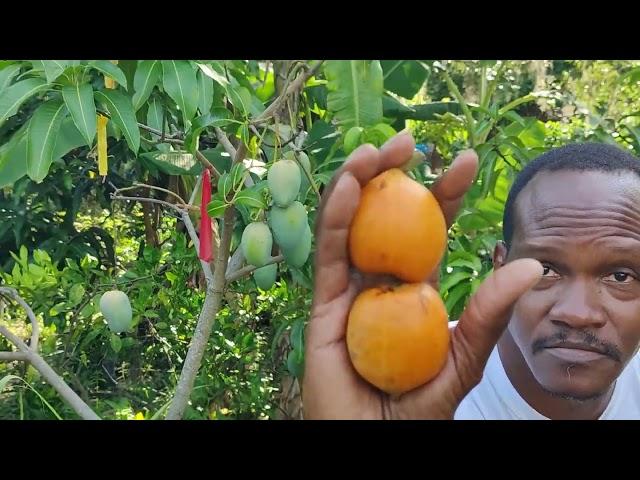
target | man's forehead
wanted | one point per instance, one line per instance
(580, 190)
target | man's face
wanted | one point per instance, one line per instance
(580, 325)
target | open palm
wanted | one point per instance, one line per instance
(331, 387)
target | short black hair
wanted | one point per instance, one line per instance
(576, 156)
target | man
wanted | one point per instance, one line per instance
(552, 333)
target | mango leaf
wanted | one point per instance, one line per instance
(7, 74)
(217, 118)
(250, 197)
(41, 138)
(122, 114)
(54, 68)
(205, 92)
(15, 95)
(146, 77)
(13, 157)
(217, 207)
(154, 114)
(79, 101)
(111, 70)
(404, 77)
(69, 138)
(355, 92)
(179, 81)
(211, 72)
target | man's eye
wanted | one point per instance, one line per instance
(547, 271)
(620, 277)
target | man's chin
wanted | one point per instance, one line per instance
(573, 395)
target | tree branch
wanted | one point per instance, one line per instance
(175, 207)
(298, 83)
(35, 327)
(206, 321)
(30, 355)
(12, 357)
(241, 272)
(224, 141)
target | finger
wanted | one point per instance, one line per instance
(451, 187)
(396, 151)
(486, 317)
(332, 254)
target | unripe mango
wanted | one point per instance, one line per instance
(288, 224)
(116, 309)
(283, 179)
(256, 243)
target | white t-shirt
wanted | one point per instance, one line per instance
(495, 398)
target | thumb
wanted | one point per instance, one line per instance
(487, 316)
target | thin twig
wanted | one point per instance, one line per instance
(293, 86)
(153, 187)
(178, 208)
(246, 270)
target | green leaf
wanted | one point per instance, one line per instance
(454, 279)
(224, 185)
(146, 77)
(79, 101)
(471, 264)
(69, 138)
(211, 72)
(355, 92)
(57, 309)
(7, 74)
(13, 157)
(179, 81)
(122, 114)
(297, 331)
(154, 114)
(217, 118)
(205, 92)
(237, 174)
(456, 294)
(111, 70)
(250, 197)
(217, 207)
(404, 77)
(116, 342)
(76, 293)
(17, 94)
(41, 138)
(54, 68)
(238, 99)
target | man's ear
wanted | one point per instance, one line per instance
(499, 255)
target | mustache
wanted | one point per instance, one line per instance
(579, 338)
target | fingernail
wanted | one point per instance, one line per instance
(405, 131)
